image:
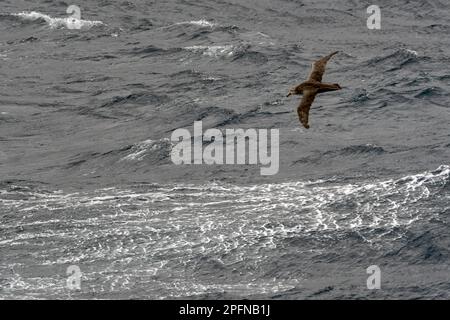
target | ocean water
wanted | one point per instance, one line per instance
(86, 177)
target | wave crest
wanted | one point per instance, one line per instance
(66, 22)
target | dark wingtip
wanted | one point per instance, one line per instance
(328, 57)
(332, 54)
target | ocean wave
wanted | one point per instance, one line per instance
(385, 202)
(141, 150)
(136, 98)
(67, 22)
(361, 149)
(113, 107)
(215, 50)
(431, 92)
(149, 50)
(360, 95)
(199, 23)
(238, 52)
(149, 230)
(396, 60)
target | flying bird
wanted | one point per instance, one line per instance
(311, 87)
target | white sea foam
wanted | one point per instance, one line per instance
(374, 204)
(200, 23)
(412, 52)
(214, 51)
(124, 236)
(140, 149)
(66, 22)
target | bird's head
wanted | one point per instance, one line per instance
(294, 91)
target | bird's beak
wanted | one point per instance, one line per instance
(289, 94)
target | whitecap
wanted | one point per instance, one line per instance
(141, 149)
(66, 22)
(213, 51)
(199, 23)
(412, 52)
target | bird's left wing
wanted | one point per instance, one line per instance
(305, 105)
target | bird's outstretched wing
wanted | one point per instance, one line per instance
(305, 105)
(318, 68)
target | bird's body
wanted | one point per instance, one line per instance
(311, 87)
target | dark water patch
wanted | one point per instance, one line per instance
(422, 249)
(214, 111)
(444, 78)
(29, 39)
(139, 98)
(81, 159)
(190, 73)
(361, 149)
(22, 186)
(417, 82)
(229, 29)
(82, 79)
(149, 51)
(360, 95)
(6, 118)
(249, 115)
(437, 28)
(197, 35)
(65, 89)
(391, 96)
(322, 291)
(430, 93)
(402, 64)
(100, 57)
(250, 56)
(396, 60)
(118, 151)
(136, 25)
(100, 114)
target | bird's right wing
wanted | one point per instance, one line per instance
(318, 68)
(305, 105)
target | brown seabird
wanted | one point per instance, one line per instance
(311, 87)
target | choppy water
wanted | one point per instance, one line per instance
(86, 177)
